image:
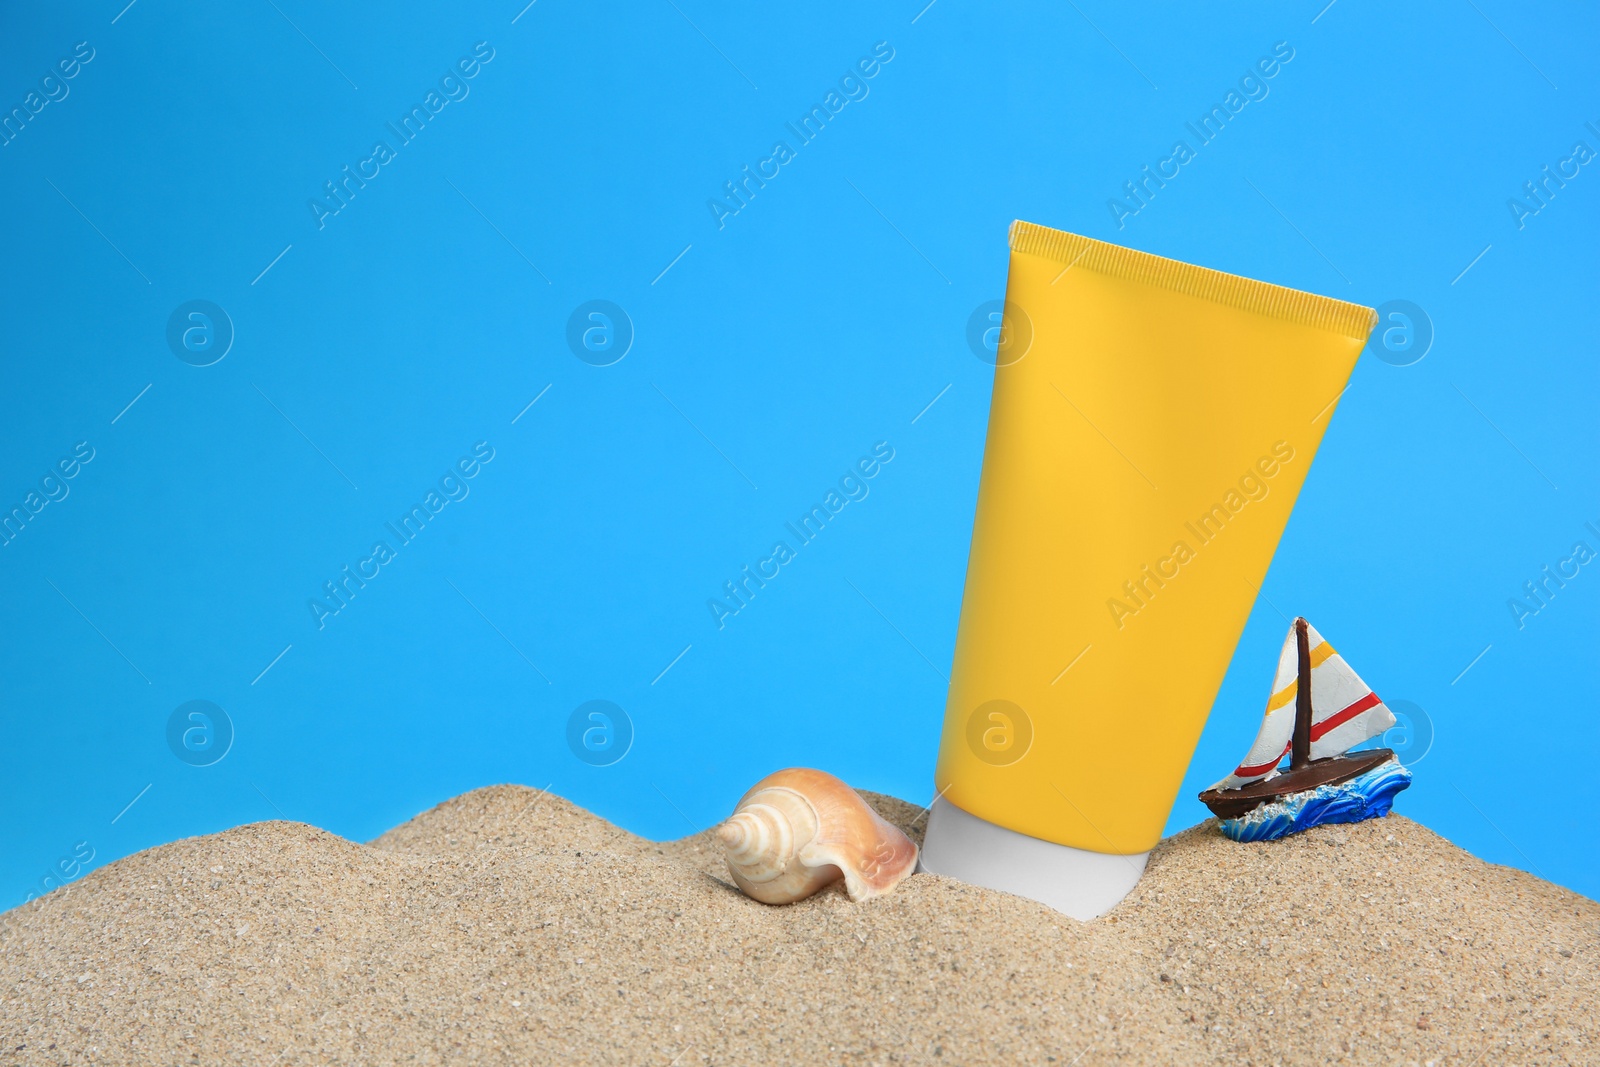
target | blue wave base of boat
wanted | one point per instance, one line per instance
(1367, 797)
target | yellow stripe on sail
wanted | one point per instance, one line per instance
(1319, 656)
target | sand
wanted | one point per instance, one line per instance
(506, 926)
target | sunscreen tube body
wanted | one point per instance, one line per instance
(1151, 425)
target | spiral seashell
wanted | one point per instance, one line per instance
(799, 830)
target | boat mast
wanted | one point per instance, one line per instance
(1302, 699)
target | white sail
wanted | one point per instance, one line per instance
(1344, 709)
(1277, 725)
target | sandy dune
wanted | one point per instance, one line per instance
(508, 927)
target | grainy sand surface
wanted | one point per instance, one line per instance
(506, 927)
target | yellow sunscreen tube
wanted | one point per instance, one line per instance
(1151, 425)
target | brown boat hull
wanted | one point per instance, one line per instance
(1232, 803)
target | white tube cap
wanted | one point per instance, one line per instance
(1074, 881)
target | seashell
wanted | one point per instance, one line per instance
(799, 830)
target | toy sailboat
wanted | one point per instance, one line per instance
(1318, 711)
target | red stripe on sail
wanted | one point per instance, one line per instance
(1338, 719)
(1263, 768)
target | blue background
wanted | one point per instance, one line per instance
(822, 318)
